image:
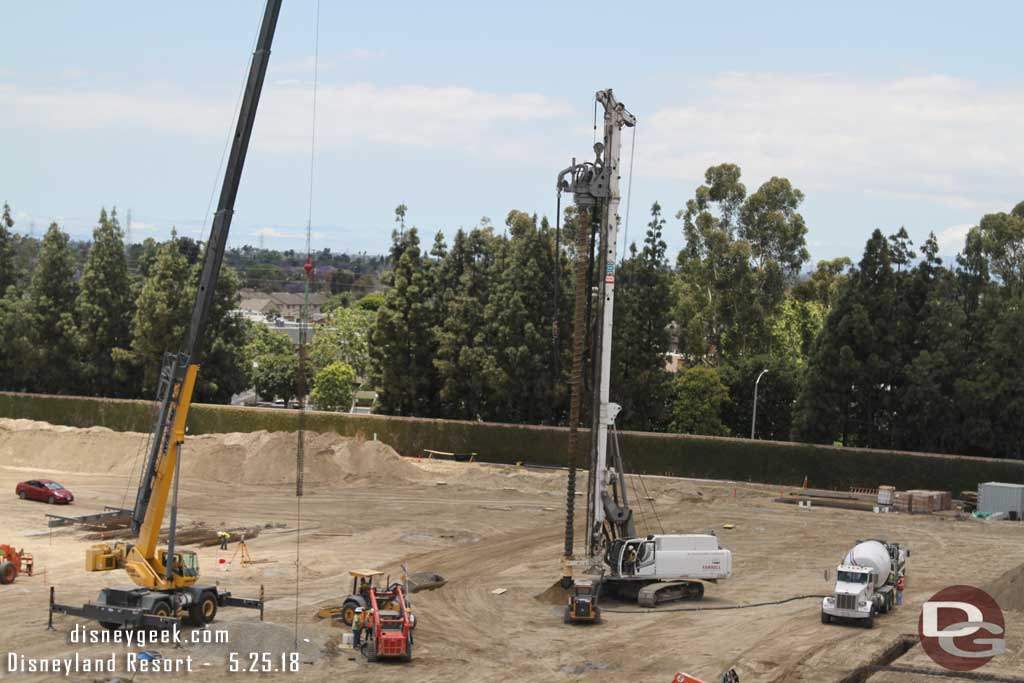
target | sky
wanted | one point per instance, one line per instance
(883, 114)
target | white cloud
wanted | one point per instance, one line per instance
(287, 234)
(73, 74)
(934, 138)
(450, 117)
(951, 240)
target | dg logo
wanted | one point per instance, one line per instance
(962, 628)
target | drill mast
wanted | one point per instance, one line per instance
(595, 189)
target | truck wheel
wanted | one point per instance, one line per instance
(870, 621)
(204, 611)
(825, 618)
(8, 572)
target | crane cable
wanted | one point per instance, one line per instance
(303, 330)
(153, 410)
(231, 134)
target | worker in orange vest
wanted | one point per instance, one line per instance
(900, 585)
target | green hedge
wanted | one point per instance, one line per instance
(771, 462)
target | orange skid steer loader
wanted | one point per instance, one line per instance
(390, 629)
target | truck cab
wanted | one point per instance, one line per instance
(853, 593)
(866, 582)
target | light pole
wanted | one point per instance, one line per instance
(753, 420)
(255, 388)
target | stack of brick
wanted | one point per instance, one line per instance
(921, 502)
(901, 501)
(930, 501)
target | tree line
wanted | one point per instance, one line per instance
(897, 350)
(77, 320)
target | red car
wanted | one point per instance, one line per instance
(45, 490)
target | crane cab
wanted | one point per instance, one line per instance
(186, 563)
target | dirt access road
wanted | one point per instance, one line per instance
(483, 527)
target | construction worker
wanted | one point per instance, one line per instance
(357, 627)
(629, 566)
(224, 538)
(900, 585)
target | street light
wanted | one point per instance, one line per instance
(753, 420)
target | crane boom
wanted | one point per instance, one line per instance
(168, 581)
(179, 371)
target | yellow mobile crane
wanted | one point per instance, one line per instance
(167, 580)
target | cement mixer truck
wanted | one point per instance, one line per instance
(866, 582)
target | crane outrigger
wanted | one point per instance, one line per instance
(167, 582)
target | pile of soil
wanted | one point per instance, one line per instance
(1008, 589)
(251, 458)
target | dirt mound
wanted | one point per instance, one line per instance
(269, 458)
(1008, 589)
(553, 595)
(34, 446)
(251, 458)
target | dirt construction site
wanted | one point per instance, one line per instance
(495, 533)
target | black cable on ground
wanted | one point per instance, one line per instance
(711, 608)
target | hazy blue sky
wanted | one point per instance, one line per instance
(885, 114)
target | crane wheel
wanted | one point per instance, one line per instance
(8, 572)
(204, 611)
(162, 609)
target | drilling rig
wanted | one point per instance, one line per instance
(167, 581)
(651, 569)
